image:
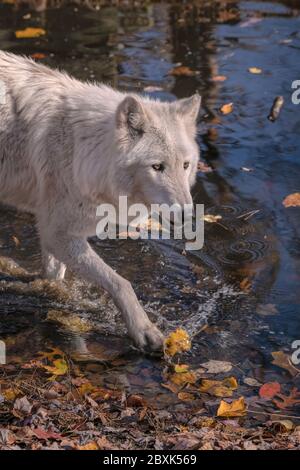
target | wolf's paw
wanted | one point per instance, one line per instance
(149, 339)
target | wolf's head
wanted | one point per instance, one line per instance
(157, 151)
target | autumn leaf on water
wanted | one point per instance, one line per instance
(30, 33)
(38, 55)
(255, 70)
(226, 108)
(286, 401)
(219, 388)
(219, 78)
(182, 70)
(282, 360)
(216, 367)
(293, 200)
(183, 378)
(59, 367)
(231, 410)
(211, 219)
(180, 368)
(178, 341)
(269, 390)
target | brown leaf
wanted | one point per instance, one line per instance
(219, 388)
(287, 400)
(216, 367)
(136, 401)
(38, 55)
(282, 360)
(41, 433)
(182, 70)
(292, 200)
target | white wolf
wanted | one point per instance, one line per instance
(68, 146)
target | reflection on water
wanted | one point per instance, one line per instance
(251, 258)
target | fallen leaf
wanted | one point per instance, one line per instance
(230, 410)
(38, 55)
(211, 219)
(226, 108)
(216, 367)
(282, 360)
(89, 446)
(30, 33)
(16, 241)
(255, 70)
(245, 285)
(136, 401)
(219, 388)
(178, 341)
(41, 433)
(179, 368)
(59, 367)
(182, 71)
(283, 425)
(276, 108)
(269, 390)
(287, 401)
(219, 78)
(183, 378)
(252, 382)
(185, 396)
(22, 407)
(293, 200)
(266, 309)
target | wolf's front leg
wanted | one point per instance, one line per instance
(82, 260)
(52, 268)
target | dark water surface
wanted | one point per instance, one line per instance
(244, 284)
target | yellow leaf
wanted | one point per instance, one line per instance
(183, 378)
(179, 368)
(178, 341)
(219, 388)
(293, 200)
(89, 446)
(226, 108)
(30, 33)
(10, 394)
(255, 70)
(60, 367)
(230, 410)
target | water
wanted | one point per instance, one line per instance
(249, 259)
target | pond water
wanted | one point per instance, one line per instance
(239, 297)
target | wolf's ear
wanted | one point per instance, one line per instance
(189, 107)
(130, 115)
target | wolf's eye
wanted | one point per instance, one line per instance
(158, 167)
(186, 165)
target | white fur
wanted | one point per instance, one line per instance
(68, 146)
